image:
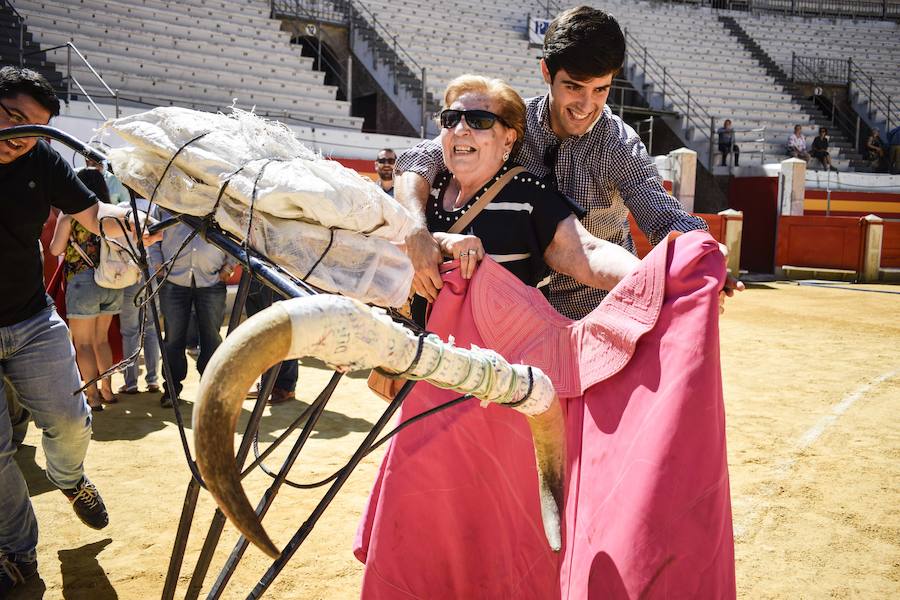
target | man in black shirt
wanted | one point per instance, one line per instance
(36, 354)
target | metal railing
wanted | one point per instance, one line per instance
(694, 114)
(69, 78)
(21, 21)
(855, 9)
(815, 69)
(356, 15)
(869, 91)
(812, 70)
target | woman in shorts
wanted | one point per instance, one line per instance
(90, 307)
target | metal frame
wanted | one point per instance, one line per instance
(257, 267)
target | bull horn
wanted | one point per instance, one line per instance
(352, 336)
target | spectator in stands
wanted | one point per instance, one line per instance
(89, 307)
(894, 142)
(727, 145)
(38, 358)
(875, 150)
(820, 149)
(576, 144)
(796, 145)
(384, 167)
(197, 278)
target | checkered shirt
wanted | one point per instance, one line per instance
(607, 171)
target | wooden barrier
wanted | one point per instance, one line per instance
(890, 245)
(726, 228)
(820, 242)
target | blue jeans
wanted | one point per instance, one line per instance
(259, 298)
(175, 302)
(37, 357)
(130, 324)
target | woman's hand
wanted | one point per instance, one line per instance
(466, 248)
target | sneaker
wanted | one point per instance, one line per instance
(14, 572)
(87, 504)
(280, 396)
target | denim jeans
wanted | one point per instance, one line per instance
(175, 302)
(259, 298)
(37, 357)
(130, 324)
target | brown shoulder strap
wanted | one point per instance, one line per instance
(485, 199)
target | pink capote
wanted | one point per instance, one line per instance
(454, 511)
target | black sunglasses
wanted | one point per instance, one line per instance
(386, 161)
(476, 119)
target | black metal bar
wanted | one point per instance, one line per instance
(307, 526)
(181, 537)
(316, 409)
(211, 541)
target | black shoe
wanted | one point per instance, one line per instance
(165, 400)
(14, 572)
(87, 504)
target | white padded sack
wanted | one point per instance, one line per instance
(370, 269)
(295, 182)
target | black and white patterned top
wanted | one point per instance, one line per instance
(515, 228)
(607, 171)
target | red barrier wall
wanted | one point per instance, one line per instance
(890, 245)
(757, 198)
(825, 242)
(716, 229)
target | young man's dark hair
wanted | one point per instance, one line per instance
(584, 41)
(15, 81)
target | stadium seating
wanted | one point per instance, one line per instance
(874, 46)
(205, 55)
(724, 79)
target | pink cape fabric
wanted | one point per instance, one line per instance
(454, 511)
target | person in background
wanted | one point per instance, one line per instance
(118, 193)
(89, 307)
(130, 325)
(197, 278)
(384, 167)
(875, 150)
(796, 145)
(727, 145)
(260, 297)
(893, 139)
(820, 149)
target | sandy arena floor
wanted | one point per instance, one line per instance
(812, 386)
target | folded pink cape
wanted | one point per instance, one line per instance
(454, 511)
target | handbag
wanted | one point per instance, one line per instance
(388, 386)
(116, 269)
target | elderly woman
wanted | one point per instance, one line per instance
(469, 466)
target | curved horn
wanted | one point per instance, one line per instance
(352, 336)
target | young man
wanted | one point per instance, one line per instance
(36, 355)
(384, 167)
(575, 140)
